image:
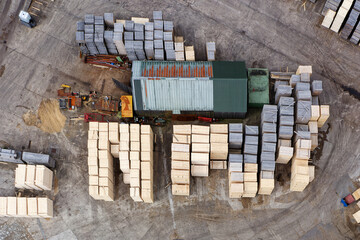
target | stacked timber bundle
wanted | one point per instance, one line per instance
(114, 138)
(210, 51)
(135, 166)
(189, 53)
(286, 126)
(32, 207)
(250, 161)
(200, 151)
(300, 173)
(236, 175)
(219, 146)
(268, 149)
(179, 49)
(37, 177)
(180, 160)
(147, 163)
(124, 149)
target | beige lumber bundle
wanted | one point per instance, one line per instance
(147, 163)
(26, 207)
(324, 115)
(100, 162)
(135, 162)
(329, 18)
(124, 151)
(219, 147)
(356, 194)
(180, 159)
(300, 171)
(236, 184)
(357, 216)
(284, 154)
(250, 180)
(200, 152)
(189, 53)
(36, 177)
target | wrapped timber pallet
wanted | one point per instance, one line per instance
(251, 161)
(37, 177)
(200, 151)
(180, 160)
(32, 207)
(147, 164)
(219, 146)
(300, 173)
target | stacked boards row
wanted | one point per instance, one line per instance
(31, 207)
(37, 177)
(133, 145)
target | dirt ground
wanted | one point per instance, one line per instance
(274, 34)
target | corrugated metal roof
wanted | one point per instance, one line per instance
(177, 94)
(167, 69)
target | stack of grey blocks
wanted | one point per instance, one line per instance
(235, 136)
(168, 36)
(158, 35)
(282, 91)
(269, 116)
(303, 99)
(286, 117)
(95, 35)
(118, 38)
(210, 51)
(251, 144)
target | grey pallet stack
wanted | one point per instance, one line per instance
(168, 37)
(269, 117)
(80, 38)
(158, 35)
(316, 88)
(331, 4)
(250, 161)
(89, 30)
(350, 24)
(109, 20)
(149, 40)
(210, 51)
(355, 37)
(109, 41)
(282, 91)
(100, 43)
(235, 136)
(118, 38)
(130, 44)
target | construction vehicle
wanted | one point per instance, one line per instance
(26, 19)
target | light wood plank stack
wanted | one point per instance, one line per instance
(36, 177)
(135, 166)
(180, 160)
(189, 53)
(300, 173)
(147, 164)
(114, 138)
(200, 151)
(124, 152)
(329, 18)
(26, 207)
(219, 146)
(100, 162)
(179, 48)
